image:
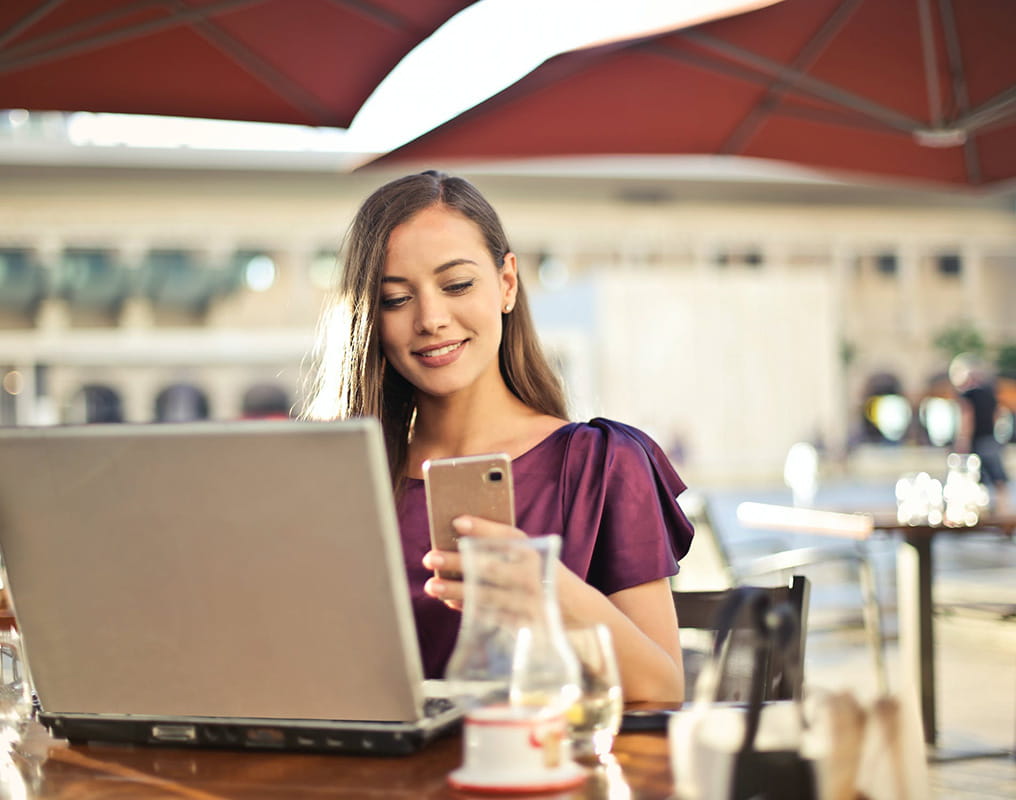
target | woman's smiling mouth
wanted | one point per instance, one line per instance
(440, 355)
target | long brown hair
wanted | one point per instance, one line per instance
(352, 377)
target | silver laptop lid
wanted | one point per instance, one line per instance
(248, 569)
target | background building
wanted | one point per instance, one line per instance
(729, 317)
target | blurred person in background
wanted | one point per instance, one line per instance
(974, 382)
(431, 333)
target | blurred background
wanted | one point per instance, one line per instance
(155, 270)
(761, 231)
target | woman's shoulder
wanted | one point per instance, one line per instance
(607, 444)
(603, 432)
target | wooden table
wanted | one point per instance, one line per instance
(914, 574)
(639, 768)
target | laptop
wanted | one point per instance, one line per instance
(211, 584)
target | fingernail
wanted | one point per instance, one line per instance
(435, 587)
(462, 525)
(433, 560)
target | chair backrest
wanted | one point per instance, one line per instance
(700, 610)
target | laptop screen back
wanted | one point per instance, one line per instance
(225, 570)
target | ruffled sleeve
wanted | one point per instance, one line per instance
(623, 525)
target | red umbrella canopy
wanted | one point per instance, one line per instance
(308, 62)
(922, 89)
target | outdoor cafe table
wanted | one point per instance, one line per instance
(914, 576)
(914, 573)
(639, 767)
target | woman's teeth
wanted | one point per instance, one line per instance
(441, 350)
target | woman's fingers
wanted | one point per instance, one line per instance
(444, 560)
(508, 579)
(448, 591)
(467, 525)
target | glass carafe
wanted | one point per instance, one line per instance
(511, 645)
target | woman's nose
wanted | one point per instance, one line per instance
(431, 314)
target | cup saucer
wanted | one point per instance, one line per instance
(566, 776)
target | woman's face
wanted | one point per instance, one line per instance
(441, 302)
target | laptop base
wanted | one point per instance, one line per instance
(368, 738)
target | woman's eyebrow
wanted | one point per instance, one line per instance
(455, 262)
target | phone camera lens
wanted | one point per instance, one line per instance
(495, 475)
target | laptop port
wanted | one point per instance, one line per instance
(265, 737)
(174, 733)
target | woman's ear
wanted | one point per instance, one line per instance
(509, 282)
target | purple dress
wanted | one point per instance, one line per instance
(607, 488)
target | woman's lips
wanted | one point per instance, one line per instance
(440, 355)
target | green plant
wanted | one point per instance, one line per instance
(1005, 360)
(962, 337)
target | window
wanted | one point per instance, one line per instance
(949, 264)
(266, 401)
(181, 402)
(886, 263)
(740, 257)
(95, 403)
(22, 281)
(91, 278)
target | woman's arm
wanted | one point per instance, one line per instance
(643, 625)
(641, 619)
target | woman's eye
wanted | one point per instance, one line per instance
(394, 302)
(459, 288)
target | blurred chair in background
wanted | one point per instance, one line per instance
(699, 611)
(710, 566)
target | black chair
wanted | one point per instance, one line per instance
(700, 610)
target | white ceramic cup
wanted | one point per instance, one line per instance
(514, 741)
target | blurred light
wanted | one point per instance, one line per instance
(891, 414)
(14, 382)
(332, 348)
(919, 499)
(940, 137)
(140, 130)
(17, 117)
(259, 273)
(940, 418)
(810, 520)
(800, 472)
(553, 272)
(324, 271)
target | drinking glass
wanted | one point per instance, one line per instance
(15, 692)
(595, 719)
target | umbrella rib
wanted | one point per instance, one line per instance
(263, 71)
(832, 26)
(961, 99)
(838, 116)
(998, 107)
(952, 44)
(28, 20)
(803, 84)
(930, 63)
(386, 18)
(39, 50)
(47, 42)
(832, 117)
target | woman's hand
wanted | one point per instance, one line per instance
(451, 591)
(642, 619)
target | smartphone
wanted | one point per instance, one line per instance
(477, 485)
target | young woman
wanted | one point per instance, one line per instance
(431, 333)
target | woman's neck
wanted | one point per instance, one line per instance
(469, 423)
